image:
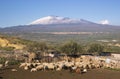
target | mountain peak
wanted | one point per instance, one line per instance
(57, 20)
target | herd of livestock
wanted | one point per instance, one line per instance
(80, 64)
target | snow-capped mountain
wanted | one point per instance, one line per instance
(60, 24)
(57, 20)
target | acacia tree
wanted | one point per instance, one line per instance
(71, 47)
(96, 48)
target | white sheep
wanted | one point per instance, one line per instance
(69, 64)
(59, 65)
(40, 67)
(58, 69)
(84, 70)
(22, 65)
(1, 65)
(51, 66)
(74, 67)
(26, 68)
(6, 63)
(33, 70)
(14, 70)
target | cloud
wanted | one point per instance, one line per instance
(104, 22)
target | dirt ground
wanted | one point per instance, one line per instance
(64, 74)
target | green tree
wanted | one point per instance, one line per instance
(35, 47)
(71, 47)
(96, 48)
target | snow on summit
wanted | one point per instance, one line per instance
(55, 20)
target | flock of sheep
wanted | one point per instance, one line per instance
(78, 65)
(52, 66)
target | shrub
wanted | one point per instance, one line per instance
(13, 62)
(2, 60)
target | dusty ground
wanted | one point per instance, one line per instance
(64, 74)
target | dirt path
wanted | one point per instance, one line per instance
(64, 74)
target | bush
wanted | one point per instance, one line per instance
(2, 60)
(71, 47)
(7, 48)
(14, 62)
(34, 47)
(96, 48)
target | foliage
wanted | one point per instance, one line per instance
(96, 48)
(71, 47)
(34, 47)
(2, 60)
(13, 62)
(113, 49)
(7, 48)
(53, 42)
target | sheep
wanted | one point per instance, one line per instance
(69, 64)
(6, 63)
(22, 65)
(38, 64)
(84, 70)
(1, 65)
(33, 70)
(78, 70)
(59, 66)
(14, 70)
(58, 69)
(26, 68)
(40, 67)
(77, 64)
(50, 66)
(72, 69)
(34, 65)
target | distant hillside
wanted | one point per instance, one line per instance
(12, 42)
(61, 28)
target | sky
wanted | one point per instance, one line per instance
(22, 12)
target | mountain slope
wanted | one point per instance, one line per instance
(80, 27)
